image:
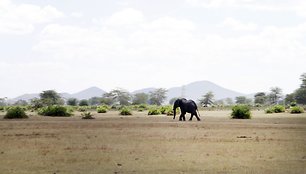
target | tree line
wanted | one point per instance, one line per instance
(273, 97)
(157, 97)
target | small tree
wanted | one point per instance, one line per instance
(107, 99)
(207, 99)
(72, 101)
(140, 98)
(50, 97)
(275, 95)
(158, 96)
(83, 102)
(260, 98)
(300, 94)
(121, 96)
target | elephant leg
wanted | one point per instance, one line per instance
(190, 119)
(198, 118)
(182, 117)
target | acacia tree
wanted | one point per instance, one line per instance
(275, 95)
(72, 101)
(158, 96)
(107, 99)
(50, 97)
(207, 99)
(121, 96)
(140, 98)
(300, 94)
(260, 98)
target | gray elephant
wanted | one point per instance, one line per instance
(186, 106)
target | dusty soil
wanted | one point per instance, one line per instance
(145, 144)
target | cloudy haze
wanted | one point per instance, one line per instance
(70, 45)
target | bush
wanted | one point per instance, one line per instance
(241, 112)
(125, 111)
(279, 108)
(269, 111)
(82, 108)
(297, 110)
(165, 109)
(54, 110)
(154, 111)
(15, 112)
(275, 109)
(87, 115)
(102, 109)
(143, 106)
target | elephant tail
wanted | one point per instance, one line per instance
(198, 113)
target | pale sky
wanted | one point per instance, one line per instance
(69, 45)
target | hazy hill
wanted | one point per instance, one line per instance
(196, 90)
(84, 94)
(145, 90)
(193, 91)
(88, 93)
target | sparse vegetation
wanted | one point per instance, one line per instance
(154, 111)
(275, 109)
(15, 112)
(241, 112)
(102, 109)
(87, 115)
(55, 111)
(296, 110)
(125, 111)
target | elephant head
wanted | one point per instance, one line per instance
(176, 104)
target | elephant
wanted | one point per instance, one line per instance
(186, 106)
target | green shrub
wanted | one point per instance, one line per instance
(1, 108)
(165, 109)
(54, 110)
(87, 115)
(125, 111)
(143, 106)
(154, 111)
(269, 111)
(102, 109)
(275, 109)
(297, 110)
(82, 108)
(279, 108)
(15, 112)
(241, 112)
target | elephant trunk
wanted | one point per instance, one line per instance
(174, 112)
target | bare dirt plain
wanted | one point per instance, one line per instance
(145, 144)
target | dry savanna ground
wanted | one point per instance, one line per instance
(267, 143)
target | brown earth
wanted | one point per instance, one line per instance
(144, 144)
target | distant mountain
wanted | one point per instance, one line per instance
(84, 94)
(145, 90)
(88, 93)
(196, 90)
(193, 91)
(26, 97)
